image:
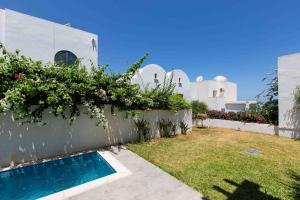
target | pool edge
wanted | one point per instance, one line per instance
(121, 171)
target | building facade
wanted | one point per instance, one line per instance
(218, 93)
(45, 40)
(288, 81)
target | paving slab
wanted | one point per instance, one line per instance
(146, 182)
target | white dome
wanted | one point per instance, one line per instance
(199, 79)
(152, 68)
(220, 78)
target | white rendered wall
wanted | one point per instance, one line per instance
(201, 90)
(235, 107)
(185, 90)
(31, 142)
(204, 92)
(231, 91)
(145, 76)
(2, 27)
(194, 91)
(288, 80)
(252, 127)
(241, 126)
(41, 39)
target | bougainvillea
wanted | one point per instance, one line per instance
(29, 88)
(243, 116)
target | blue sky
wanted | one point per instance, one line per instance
(234, 38)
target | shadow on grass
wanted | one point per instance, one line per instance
(247, 190)
(295, 183)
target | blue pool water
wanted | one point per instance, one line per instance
(39, 180)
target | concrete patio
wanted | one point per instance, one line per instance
(147, 182)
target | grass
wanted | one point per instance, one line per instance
(213, 162)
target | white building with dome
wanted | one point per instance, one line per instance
(218, 93)
(153, 75)
(47, 41)
(52, 42)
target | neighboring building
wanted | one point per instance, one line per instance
(182, 83)
(153, 75)
(218, 94)
(46, 41)
(288, 80)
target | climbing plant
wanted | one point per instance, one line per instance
(269, 107)
(30, 88)
(297, 94)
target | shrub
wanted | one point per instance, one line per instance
(184, 127)
(30, 87)
(177, 102)
(158, 97)
(163, 97)
(269, 111)
(269, 108)
(239, 116)
(166, 128)
(198, 108)
(143, 130)
(297, 94)
(202, 117)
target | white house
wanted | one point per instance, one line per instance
(153, 75)
(149, 76)
(182, 83)
(52, 42)
(218, 94)
(45, 40)
(288, 80)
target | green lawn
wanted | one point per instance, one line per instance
(213, 162)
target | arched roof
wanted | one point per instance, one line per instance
(152, 67)
(178, 73)
(220, 78)
(199, 79)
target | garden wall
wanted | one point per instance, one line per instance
(31, 142)
(288, 80)
(252, 127)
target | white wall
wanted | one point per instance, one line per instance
(231, 91)
(201, 90)
(235, 107)
(41, 39)
(288, 80)
(31, 142)
(204, 92)
(145, 76)
(185, 88)
(2, 20)
(252, 127)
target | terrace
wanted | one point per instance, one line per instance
(70, 129)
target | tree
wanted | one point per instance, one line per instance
(198, 108)
(269, 108)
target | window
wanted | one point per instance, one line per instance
(66, 57)
(222, 91)
(215, 93)
(179, 82)
(155, 78)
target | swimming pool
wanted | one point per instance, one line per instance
(42, 179)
